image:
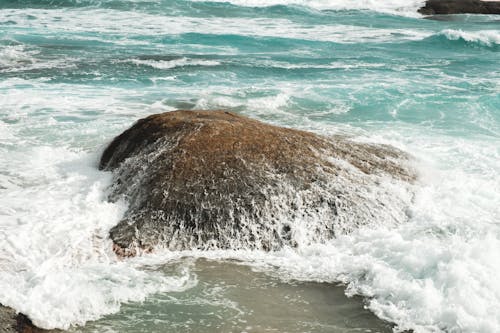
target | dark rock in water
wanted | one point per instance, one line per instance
(214, 179)
(443, 7)
(12, 322)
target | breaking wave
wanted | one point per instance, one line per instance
(483, 37)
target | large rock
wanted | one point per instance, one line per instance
(214, 179)
(443, 7)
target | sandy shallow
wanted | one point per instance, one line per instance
(230, 297)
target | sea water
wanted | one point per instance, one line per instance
(75, 73)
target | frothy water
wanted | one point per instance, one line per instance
(402, 7)
(56, 258)
(73, 74)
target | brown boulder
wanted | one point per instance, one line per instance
(214, 179)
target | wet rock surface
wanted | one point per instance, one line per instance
(444, 7)
(12, 322)
(214, 179)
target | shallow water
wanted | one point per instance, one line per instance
(75, 73)
(231, 297)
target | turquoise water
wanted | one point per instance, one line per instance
(75, 73)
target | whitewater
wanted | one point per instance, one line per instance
(75, 73)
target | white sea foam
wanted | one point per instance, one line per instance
(15, 55)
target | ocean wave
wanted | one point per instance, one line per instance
(406, 7)
(169, 64)
(482, 37)
(399, 7)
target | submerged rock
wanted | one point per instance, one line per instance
(12, 322)
(214, 179)
(443, 7)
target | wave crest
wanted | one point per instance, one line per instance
(482, 37)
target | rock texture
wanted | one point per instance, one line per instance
(443, 7)
(214, 179)
(12, 322)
